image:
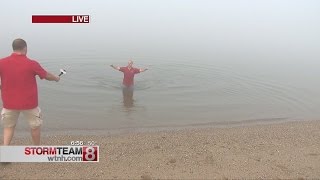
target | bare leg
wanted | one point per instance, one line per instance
(7, 135)
(35, 134)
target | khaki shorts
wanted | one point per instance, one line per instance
(10, 117)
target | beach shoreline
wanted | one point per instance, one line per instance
(279, 150)
(23, 130)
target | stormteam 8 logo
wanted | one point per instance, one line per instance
(90, 153)
(49, 153)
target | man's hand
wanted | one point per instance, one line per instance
(57, 78)
(115, 67)
(52, 77)
(143, 70)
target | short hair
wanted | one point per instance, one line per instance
(19, 44)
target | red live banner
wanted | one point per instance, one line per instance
(60, 18)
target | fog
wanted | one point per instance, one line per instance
(235, 29)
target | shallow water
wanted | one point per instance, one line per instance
(176, 92)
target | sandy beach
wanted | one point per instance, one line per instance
(285, 150)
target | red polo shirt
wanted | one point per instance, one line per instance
(128, 75)
(18, 82)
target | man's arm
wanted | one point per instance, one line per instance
(143, 70)
(115, 67)
(43, 74)
(51, 77)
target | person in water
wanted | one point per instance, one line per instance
(128, 73)
(128, 81)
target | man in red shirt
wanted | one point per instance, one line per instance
(19, 91)
(128, 82)
(128, 72)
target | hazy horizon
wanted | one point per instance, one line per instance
(288, 29)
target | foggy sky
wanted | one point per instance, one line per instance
(184, 28)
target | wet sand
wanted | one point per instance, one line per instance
(286, 150)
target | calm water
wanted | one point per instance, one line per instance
(177, 92)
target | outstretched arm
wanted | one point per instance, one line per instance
(143, 70)
(51, 77)
(115, 67)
